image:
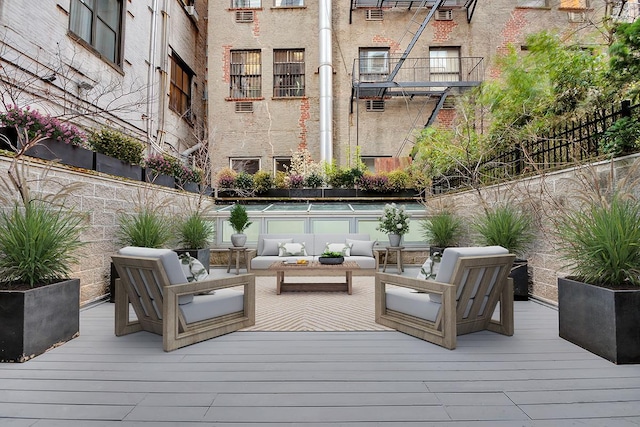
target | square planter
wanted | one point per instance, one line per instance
(113, 166)
(305, 193)
(67, 154)
(38, 319)
(603, 321)
(159, 179)
(191, 187)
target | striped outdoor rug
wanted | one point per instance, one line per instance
(315, 311)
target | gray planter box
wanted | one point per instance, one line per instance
(113, 166)
(38, 319)
(603, 321)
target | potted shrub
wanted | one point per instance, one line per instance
(162, 169)
(194, 233)
(239, 221)
(39, 239)
(598, 303)
(441, 230)
(395, 222)
(508, 226)
(117, 154)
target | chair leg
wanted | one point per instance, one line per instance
(123, 325)
(504, 325)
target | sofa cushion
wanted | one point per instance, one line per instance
(411, 302)
(170, 262)
(362, 261)
(343, 248)
(291, 249)
(271, 246)
(361, 247)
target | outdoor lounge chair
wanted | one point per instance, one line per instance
(461, 299)
(165, 303)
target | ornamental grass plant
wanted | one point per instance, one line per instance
(507, 226)
(147, 227)
(195, 232)
(443, 229)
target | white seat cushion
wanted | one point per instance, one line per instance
(224, 301)
(413, 303)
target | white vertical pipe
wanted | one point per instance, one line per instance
(326, 81)
(151, 84)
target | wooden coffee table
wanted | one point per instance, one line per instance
(313, 269)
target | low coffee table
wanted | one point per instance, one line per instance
(313, 269)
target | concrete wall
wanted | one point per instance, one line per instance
(103, 198)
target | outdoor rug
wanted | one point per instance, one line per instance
(315, 311)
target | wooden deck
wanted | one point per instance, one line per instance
(320, 379)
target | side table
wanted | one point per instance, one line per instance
(238, 251)
(398, 251)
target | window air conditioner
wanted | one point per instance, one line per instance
(191, 11)
(444, 15)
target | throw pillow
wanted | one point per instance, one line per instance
(292, 249)
(338, 247)
(194, 270)
(270, 247)
(361, 247)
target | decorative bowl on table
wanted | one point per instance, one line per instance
(333, 258)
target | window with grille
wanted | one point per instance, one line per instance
(246, 4)
(374, 64)
(99, 24)
(246, 74)
(248, 165)
(288, 72)
(180, 88)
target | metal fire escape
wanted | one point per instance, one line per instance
(416, 77)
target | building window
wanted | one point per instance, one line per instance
(533, 3)
(246, 4)
(288, 3)
(374, 64)
(288, 72)
(444, 64)
(281, 164)
(246, 74)
(574, 4)
(248, 165)
(98, 23)
(180, 88)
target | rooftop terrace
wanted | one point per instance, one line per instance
(355, 378)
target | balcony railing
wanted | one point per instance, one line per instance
(419, 72)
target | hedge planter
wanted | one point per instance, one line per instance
(603, 321)
(305, 193)
(520, 275)
(159, 179)
(117, 167)
(38, 319)
(67, 154)
(191, 187)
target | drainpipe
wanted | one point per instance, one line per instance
(152, 71)
(326, 81)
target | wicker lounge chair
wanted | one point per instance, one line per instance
(153, 282)
(462, 298)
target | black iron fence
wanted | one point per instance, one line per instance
(562, 147)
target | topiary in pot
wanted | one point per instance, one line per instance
(239, 220)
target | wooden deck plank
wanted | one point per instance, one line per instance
(319, 379)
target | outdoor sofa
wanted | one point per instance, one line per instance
(271, 248)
